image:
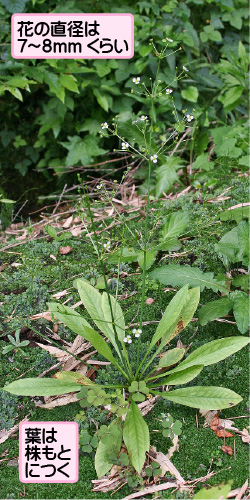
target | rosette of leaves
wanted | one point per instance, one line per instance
(148, 377)
(171, 428)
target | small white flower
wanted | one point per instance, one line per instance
(125, 145)
(107, 245)
(154, 158)
(185, 69)
(137, 332)
(104, 125)
(169, 39)
(189, 118)
(135, 121)
(127, 339)
(169, 91)
(99, 186)
(143, 118)
(136, 80)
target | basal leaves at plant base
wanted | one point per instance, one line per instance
(150, 375)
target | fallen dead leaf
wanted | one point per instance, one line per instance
(224, 424)
(149, 301)
(68, 222)
(58, 295)
(65, 250)
(219, 429)
(227, 449)
(23, 236)
(6, 434)
(167, 466)
(76, 231)
(13, 462)
(152, 489)
(173, 448)
(239, 205)
(59, 401)
(242, 491)
(52, 257)
(245, 436)
(45, 315)
(54, 351)
(15, 264)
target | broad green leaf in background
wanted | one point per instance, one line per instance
(234, 245)
(190, 94)
(136, 436)
(102, 465)
(69, 82)
(241, 281)
(41, 387)
(241, 309)
(237, 213)
(219, 492)
(150, 258)
(213, 352)
(101, 99)
(175, 225)
(203, 162)
(166, 175)
(178, 275)
(125, 254)
(14, 6)
(207, 398)
(215, 309)
(231, 97)
(54, 84)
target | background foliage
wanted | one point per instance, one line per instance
(52, 108)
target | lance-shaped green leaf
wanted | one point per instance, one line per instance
(207, 398)
(183, 376)
(136, 436)
(41, 387)
(100, 344)
(171, 357)
(69, 317)
(92, 300)
(171, 315)
(184, 317)
(213, 352)
(80, 326)
(74, 377)
(117, 314)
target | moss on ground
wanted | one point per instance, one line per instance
(27, 289)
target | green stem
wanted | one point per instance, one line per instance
(146, 220)
(107, 290)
